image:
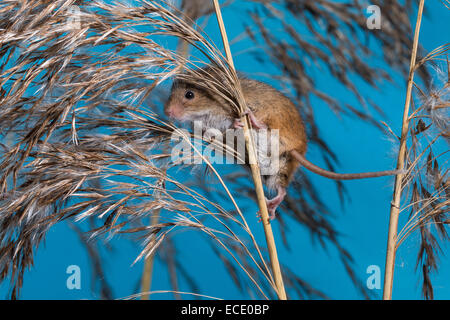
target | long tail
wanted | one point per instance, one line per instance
(340, 176)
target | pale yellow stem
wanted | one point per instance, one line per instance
(146, 281)
(395, 204)
(255, 172)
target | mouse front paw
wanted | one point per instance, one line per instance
(238, 124)
(272, 215)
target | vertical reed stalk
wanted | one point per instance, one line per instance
(255, 173)
(146, 280)
(395, 204)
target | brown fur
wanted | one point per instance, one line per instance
(269, 108)
(277, 111)
(268, 105)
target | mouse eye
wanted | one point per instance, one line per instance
(189, 95)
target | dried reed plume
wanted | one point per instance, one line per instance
(425, 186)
(425, 183)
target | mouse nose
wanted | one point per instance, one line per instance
(173, 111)
(169, 112)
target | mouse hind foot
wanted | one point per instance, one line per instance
(272, 204)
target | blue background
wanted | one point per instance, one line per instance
(363, 221)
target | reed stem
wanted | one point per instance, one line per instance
(255, 173)
(395, 204)
(146, 280)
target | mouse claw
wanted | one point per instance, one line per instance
(238, 124)
(272, 215)
(273, 204)
(271, 209)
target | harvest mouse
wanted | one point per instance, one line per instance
(268, 109)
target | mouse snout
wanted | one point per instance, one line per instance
(174, 111)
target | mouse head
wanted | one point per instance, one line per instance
(184, 101)
(188, 102)
(193, 99)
